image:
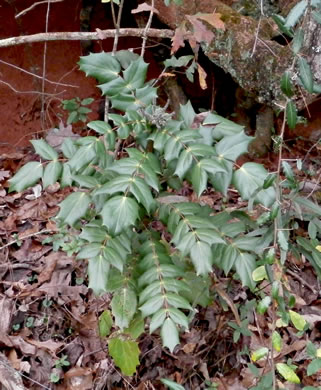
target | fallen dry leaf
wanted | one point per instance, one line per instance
(144, 7)
(18, 364)
(79, 378)
(56, 137)
(213, 19)
(178, 38)
(49, 345)
(202, 76)
(4, 174)
(6, 310)
(9, 377)
(201, 33)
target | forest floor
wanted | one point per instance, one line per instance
(49, 318)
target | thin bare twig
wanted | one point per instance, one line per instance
(44, 64)
(147, 27)
(37, 76)
(256, 37)
(302, 281)
(85, 36)
(120, 11)
(34, 5)
(30, 92)
(315, 186)
(25, 237)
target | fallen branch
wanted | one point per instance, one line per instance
(85, 36)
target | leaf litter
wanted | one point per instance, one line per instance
(46, 314)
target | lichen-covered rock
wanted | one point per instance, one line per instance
(246, 49)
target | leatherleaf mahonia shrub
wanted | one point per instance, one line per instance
(154, 250)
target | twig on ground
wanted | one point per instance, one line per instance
(302, 281)
(24, 237)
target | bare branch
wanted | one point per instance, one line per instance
(85, 36)
(149, 22)
(34, 5)
(57, 83)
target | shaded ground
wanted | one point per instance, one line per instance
(47, 311)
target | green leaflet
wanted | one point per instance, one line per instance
(157, 320)
(125, 354)
(44, 149)
(98, 271)
(105, 323)
(244, 266)
(83, 156)
(152, 305)
(250, 178)
(73, 207)
(136, 327)
(100, 127)
(231, 147)
(169, 334)
(119, 213)
(314, 367)
(201, 256)
(295, 14)
(297, 320)
(286, 84)
(51, 173)
(263, 305)
(200, 170)
(276, 341)
(68, 148)
(305, 74)
(223, 127)
(172, 385)
(308, 204)
(297, 42)
(123, 306)
(93, 234)
(186, 112)
(259, 354)
(287, 372)
(184, 162)
(103, 66)
(291, 114)
(26, 177)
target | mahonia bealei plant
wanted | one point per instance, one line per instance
(143, 243)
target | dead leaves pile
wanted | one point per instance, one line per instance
(48, 315)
